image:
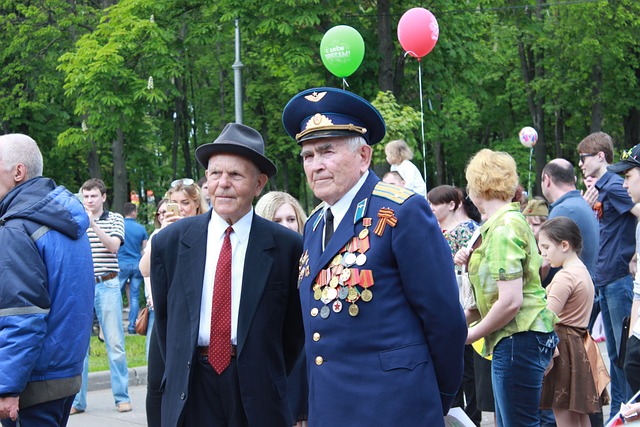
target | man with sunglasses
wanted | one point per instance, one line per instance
(616, 214)
(228, 319)
(629, 165)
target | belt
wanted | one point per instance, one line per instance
(203, 351)
(106, 276)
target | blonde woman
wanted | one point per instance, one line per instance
(511, 304)
(399, 156)
(283, 208)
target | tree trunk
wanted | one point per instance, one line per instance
(385, 47)
(632, 128)
(440, 175)
(559, 133)
(119, 172)
(94, 161)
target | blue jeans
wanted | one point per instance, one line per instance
(152, 321)
(517, 370)
(615, 303)
(131, 272)
(108, 305)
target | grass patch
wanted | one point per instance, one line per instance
(135, 347)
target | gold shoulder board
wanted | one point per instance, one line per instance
(392, 192)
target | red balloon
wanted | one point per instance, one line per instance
(418, 32)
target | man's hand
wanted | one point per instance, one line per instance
(9, 407)
(591, 196)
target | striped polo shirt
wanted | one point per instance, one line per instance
(104, 261)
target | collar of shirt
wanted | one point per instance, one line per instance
(340, 208)
(239, 241)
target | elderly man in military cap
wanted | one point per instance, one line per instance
(224, 288)
(384, 330)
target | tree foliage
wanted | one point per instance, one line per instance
(127, 90)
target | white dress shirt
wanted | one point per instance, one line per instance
(215, 238)
(340, 208)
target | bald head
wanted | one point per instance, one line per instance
(21, 149)
(558, 178)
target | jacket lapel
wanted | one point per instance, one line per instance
(257, 267)
(192, 255)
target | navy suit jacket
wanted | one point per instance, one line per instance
(270, 334)
(399, 360)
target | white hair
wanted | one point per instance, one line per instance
(17, 148)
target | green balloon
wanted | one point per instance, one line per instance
(342, 50)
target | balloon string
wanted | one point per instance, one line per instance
(424, 151)
(530, 157)
(345, 85)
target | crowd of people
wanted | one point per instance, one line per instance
(385, 305)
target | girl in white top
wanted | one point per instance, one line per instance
(399, 156)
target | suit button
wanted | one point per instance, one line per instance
(182, 396)
(314, 311)
(316, 336)
(319, 360)
(189, 365)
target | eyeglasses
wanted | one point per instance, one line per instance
(184, 181)
(584, 156)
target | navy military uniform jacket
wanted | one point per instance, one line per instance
(396, 359)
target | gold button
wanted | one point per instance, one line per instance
(319, 360)
(314, 311)
(316, 336)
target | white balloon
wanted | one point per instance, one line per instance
(528, 136)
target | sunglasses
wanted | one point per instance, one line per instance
(184, 181)
(584, 156)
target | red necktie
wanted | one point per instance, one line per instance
(220, 335)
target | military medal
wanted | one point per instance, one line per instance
(337, 306)
(366, 281)
(344, 276)
(334, 281)
(361, 259)
(331, 294)
(317, 293)
(349, 259)
(343, 292)
(353, 310)
(352, 294)
(337, 259)
(325, 312)
(314, 311)
(366, 295)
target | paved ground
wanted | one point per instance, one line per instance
(101, 411)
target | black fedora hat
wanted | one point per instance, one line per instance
(241, 140)
(326, 112)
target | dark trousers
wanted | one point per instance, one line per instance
(214, 398)
(632, 363)
(155, 371)
(54, 413)
(467, 390)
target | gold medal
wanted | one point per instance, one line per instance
(353, 310)
(366, 295)
(364, 233)
(333, 282)
(352, 295)
(336, 259)
(317, 294)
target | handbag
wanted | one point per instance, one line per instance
(142, 322)
(623, 341)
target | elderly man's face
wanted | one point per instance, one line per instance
(233, 183)
(332, 168)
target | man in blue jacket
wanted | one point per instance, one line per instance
(46, 290)
(384, 329)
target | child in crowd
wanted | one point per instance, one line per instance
(399, 156)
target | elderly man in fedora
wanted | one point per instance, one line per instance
(224, 286)
(385, 332)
